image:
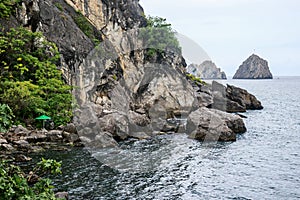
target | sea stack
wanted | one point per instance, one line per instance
(206, 70)
(254, 68)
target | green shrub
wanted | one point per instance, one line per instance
(6, 117)
(30, 82)
(195, 79)
(158, 36)
(14, 183)
(6, 7)
(59, 6)
(86, 27)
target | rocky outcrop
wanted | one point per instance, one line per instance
(206, 70)
(225, 98)
(121, 91)
(254, 68)
(243, 98)
(233, 99)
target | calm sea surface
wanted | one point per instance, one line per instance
(264, 163)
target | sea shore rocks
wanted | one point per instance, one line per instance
(21, 139)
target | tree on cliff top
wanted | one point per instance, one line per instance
(158, 36)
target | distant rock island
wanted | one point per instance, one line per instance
(206, 70)
(254, 68)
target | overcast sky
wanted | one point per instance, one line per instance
(230, 30)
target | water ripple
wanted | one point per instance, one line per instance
(264, 163)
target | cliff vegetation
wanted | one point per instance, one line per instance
(30, 83)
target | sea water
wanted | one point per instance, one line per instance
(264, 163)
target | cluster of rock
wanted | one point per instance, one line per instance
(206, 70)
(20, 139)
(253, 68)
(213, 121)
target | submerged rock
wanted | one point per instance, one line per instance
(254, 68)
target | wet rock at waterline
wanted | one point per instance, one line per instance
(212, 125)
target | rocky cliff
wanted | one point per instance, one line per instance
(121, 90)
(254, 68)
(206, 70)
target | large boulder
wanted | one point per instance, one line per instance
(243, 98)
(220, 100)
(233, 99)
(116, 124)
(208, 125)
(234, 122)
(254, 68)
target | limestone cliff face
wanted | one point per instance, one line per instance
(207, 70)
(254, 68)
(107, 15)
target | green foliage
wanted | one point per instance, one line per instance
(59, 6)
(14, 183)
(195, 79)
(30, 82)
(6, 117)
(48, 166)
(6, 7)
(86, 27)
(159, 37)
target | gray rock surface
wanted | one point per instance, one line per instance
(243, 97)
(206, 70)
(254, 68)
(233, 99)
(3, 141)
(211, 125)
